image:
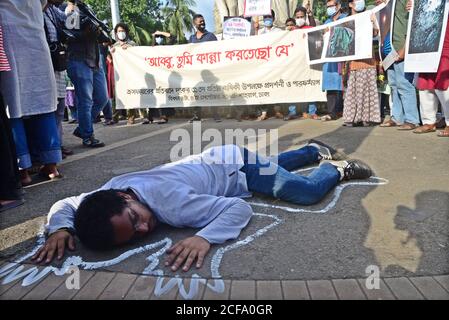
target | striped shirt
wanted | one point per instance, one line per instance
(4, 64)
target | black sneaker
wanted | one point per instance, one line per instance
(91, 142)
(356, 169)
(327, 152)
(195, 118)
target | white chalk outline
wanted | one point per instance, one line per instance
(32, 275)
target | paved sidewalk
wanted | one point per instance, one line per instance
(100, 285)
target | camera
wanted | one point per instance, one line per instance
(89, 22)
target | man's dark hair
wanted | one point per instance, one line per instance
(196, 16)
(290, 20)
(272, 15)
(123, 25)
(93, 218)
(302, 9)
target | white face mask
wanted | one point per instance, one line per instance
(300, 22)
(158, 40)
(121, 35)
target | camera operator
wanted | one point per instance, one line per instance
(84, 70)
(54, 20)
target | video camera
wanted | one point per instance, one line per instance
(89, 21)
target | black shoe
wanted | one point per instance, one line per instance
(77, 133)
(91, 142)
(326, 151)
(195, 118)
(356, 169)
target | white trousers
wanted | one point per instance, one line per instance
(428, 106)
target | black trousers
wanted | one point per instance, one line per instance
(10, 186)
(334, 103)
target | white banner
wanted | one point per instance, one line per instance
(343, 40)
(236, 27)
(425, 35)
(257, 8)
(264, 69)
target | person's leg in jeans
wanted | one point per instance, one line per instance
(397, 114)
(82, 78)
(100, 93)
(407, 93)
(107, 112)
(287, 186)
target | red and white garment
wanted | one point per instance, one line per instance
(4, 64)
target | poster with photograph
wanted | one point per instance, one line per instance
(236, 27)
(425, 35)
(387, 53)
(256, 8)
(342, 40)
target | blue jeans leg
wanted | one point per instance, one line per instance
(407, 92)
(303, 190)
(82, 77)
(312, 109)
(107, 111)
(100, 94)
(59, 114)
(396, 108)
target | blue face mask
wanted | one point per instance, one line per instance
(268, 22)
(359, 5)
(331, 11)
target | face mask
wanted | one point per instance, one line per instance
(121, 35)
(300, 22)
(201, 27)
(331, 11)
(359, 5)
(268, 22)
(159, 40)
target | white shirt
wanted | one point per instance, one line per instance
(200, 191)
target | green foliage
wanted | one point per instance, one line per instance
(142, 16)
(177, 17)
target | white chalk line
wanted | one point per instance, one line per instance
(32, 275)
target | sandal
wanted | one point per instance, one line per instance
(444, 133)
(425, 129)
(388, 123)
(407, 126)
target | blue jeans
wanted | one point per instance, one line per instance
(37, 135)
(107, 110)
(312, 108)
(91, 94)
(405, 108)
(287, 186)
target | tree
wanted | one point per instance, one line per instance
(142, 16)
(177, 17)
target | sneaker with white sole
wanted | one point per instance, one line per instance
(326, 151)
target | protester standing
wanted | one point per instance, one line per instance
(332, 80)
(361, 103)
(404, 112)
(87, 76)
(10, 186)
(29, 88)
(202, 35)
